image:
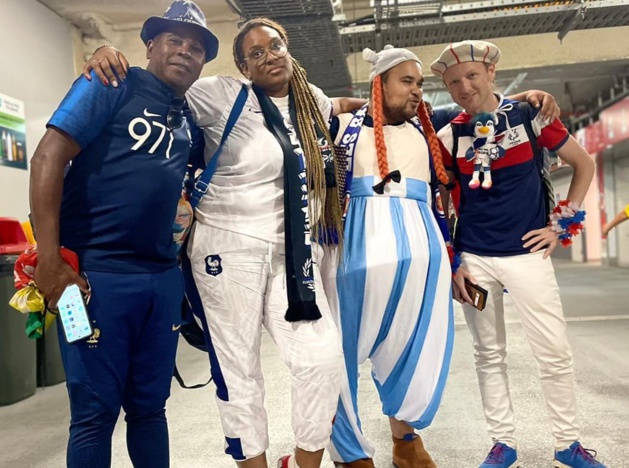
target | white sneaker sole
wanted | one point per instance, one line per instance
(516, 464)
(558, 464)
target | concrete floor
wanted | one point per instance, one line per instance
(33, 432)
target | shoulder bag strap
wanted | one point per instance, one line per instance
(203, 182)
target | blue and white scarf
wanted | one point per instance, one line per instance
(300, 285)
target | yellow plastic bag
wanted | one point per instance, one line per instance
(27, 299)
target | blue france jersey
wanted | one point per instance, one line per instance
(493, 221)
(121, 191)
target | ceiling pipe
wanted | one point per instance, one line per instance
(576, 122)
(578, 14)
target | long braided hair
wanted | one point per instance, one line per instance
(378, 128)
(329, 221)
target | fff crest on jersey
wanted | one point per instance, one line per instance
(213, 265)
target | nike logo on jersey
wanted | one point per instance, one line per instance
(176, 327)
(150, 114)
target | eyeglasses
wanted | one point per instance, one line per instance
(259, 54)
(174, 118)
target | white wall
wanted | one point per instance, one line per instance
(561, 184)
(37, 68)
(593, 230)
(621, 176)
(44, 57)
(225, 27)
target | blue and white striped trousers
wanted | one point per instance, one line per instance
(393, 305)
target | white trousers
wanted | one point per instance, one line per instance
(531, 284)
(242, 283)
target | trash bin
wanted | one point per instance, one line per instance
(49, 365)
(12, 237)
(18, 372)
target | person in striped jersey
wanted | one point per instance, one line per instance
(505, 235)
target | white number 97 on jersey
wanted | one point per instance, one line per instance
(141, 129)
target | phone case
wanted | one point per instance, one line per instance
(73, 315)
(478, 294)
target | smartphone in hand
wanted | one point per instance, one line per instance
(477, 294)
(73, 315)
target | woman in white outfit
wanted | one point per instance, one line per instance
(255, 224)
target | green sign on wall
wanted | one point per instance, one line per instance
(12, 133)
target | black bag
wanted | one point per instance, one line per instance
(190, 329)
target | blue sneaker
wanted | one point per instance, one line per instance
(501, 456)
(576, 456)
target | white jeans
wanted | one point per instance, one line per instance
(242, 283)
(531, 283)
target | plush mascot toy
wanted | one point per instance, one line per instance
(485, 148)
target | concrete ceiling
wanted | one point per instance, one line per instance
(128, 13)
(414, 23)
(576, 87)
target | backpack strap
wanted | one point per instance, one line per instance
(525, 117)
(456, 134)
(197, 191)
(541, 159)
(179, 379)
(203, 182)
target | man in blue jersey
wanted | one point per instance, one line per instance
(505, 240)
(124, 152)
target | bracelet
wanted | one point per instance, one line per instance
(101, 47)
(455, 259)
(567, 220)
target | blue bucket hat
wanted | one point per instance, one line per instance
(182, 11)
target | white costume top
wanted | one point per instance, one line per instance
(246, 194)
(407, 150)
(391, 296)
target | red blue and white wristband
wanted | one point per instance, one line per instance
(567, 221)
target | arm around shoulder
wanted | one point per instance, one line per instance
(107, 63)
(545, 102)
(343, 105)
